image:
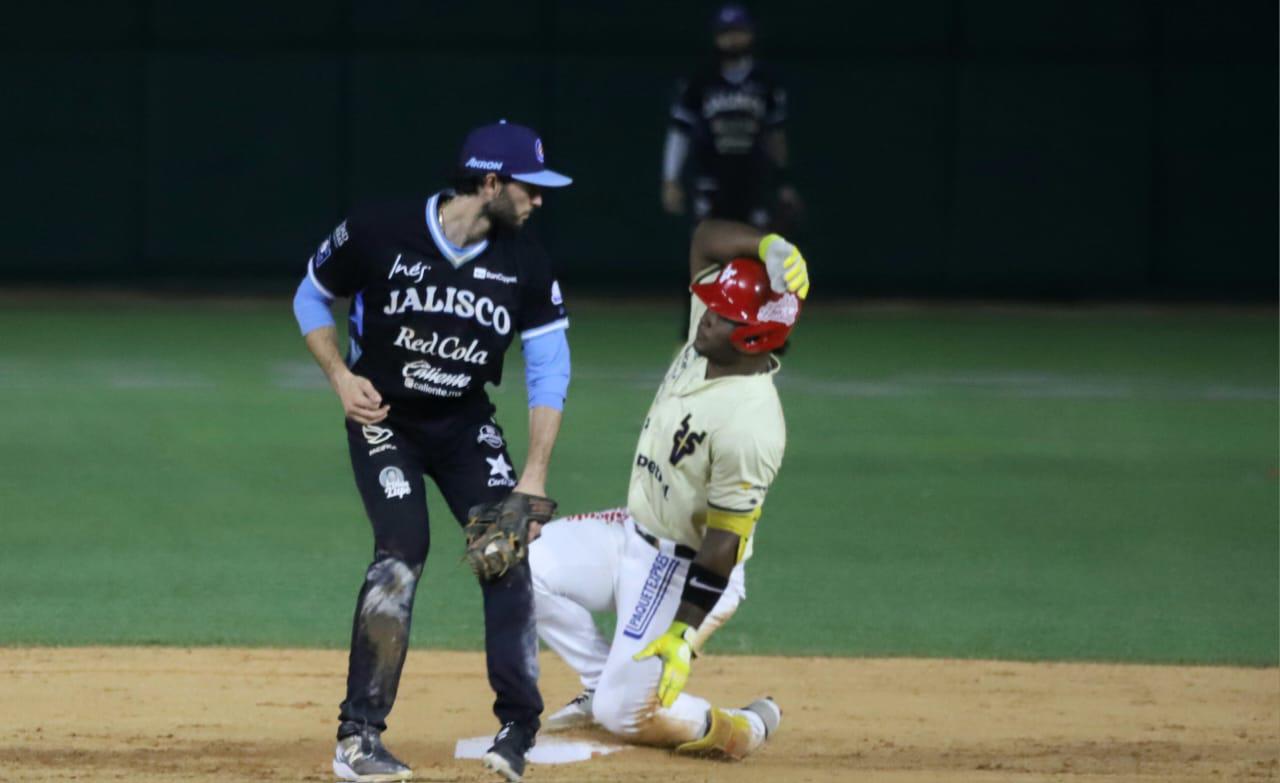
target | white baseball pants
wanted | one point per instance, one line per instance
(598, 562)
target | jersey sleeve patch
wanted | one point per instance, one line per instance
(336, 268)
(542, 307)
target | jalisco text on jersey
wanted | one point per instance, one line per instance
(458, 302)
(446, 348)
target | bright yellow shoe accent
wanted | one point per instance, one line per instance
(729, 736)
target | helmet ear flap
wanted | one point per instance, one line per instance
(759, 338)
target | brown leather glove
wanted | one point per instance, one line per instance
(498, 532)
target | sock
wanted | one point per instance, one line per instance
(757, 722)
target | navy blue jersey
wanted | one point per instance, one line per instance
(430, 322)
(727, 121)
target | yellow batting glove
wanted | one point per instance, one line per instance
(676, 653)
(787, 269)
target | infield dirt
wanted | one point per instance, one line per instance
(217, 714)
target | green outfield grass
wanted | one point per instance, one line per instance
(1022, 484)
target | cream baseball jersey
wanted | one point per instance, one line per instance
(705, 444)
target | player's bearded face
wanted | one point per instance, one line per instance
(512, 206)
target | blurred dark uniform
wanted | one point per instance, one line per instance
(729, 119)
(726, 122)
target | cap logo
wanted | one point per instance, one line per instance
(487, 165)
(782, 310)
(537, 150)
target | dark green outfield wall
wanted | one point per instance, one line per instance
(946, 147)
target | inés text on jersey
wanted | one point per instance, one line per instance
(459, 302)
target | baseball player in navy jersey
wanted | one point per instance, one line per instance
(731, 117)
(439, 288)
(670, 563)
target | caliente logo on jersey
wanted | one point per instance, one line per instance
(421, 376)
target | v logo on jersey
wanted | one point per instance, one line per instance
(685, 442)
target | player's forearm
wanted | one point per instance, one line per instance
(708, 576)
(544, 426)
(717, 242)
(674, 153)
(323, 344)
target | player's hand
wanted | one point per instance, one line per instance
(676, 653)
(788, 271)
(673, 198)
(360, 401)
(529, 487)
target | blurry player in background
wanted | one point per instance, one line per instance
(730, 119)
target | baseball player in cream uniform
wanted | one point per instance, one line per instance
(670, 564)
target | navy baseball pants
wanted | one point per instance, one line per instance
(466, 456)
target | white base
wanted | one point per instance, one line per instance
(549, 750)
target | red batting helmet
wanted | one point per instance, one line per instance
(741, 292)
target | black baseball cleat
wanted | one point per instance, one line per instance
(362, 758)
(506, 757)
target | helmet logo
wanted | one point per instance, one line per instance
(782, 310)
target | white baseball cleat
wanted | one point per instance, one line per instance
(574, 715)
(362, 758)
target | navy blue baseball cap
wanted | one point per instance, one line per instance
(508, 150)
(731, 16)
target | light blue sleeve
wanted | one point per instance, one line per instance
(546, 369)
(311, 307)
